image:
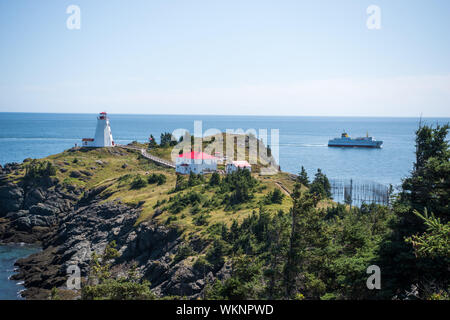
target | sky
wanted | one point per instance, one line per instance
(234, 57)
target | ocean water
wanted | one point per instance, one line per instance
(10, 290)
(302, 140)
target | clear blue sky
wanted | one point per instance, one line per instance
(284, 57)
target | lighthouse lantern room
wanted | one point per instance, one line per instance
(103, 136)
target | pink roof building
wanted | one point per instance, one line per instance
(235, 165)
(196, 162)
(197, 156)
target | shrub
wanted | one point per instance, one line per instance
(109, 288)
(275, 196)
(215, 179)
(215, 255)
(159, 179)
(138, 182)
(37, 170)
(183, 252)
(201, 220)
(241, 185)
(167, 140)
(180, 184)
(179, 202)
(202, 264)
(195, 179)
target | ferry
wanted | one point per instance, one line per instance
(360, 142)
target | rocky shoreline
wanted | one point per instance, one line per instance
(71, 223)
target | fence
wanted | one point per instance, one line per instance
(359, 192)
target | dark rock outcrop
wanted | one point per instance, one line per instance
(11, 198)
(70, 229)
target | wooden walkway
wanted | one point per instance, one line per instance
(283, 188)
(150, 157)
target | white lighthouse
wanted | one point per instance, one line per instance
(103, 136)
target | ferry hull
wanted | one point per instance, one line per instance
(354, 146)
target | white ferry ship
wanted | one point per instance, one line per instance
(360, 142)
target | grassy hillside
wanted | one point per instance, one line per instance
(118, 169)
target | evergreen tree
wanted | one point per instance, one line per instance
(167, 140)
(215, 179)
(103, 286)
(321, 186)
(278, 239)
(303, 177)
(427, 189)
(307, 241)
(180, 183)
(152, 142)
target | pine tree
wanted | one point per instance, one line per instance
(215, 179)
(321, 186)
(427, 189)
(152, 142)
(307, 240)
(303, 177)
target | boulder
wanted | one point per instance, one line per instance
(11, 198)
(75, 174)
(86, 173)
(42, 209)
(18, 214)
(33, 197)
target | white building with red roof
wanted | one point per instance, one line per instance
(235, 165)
(195, 162)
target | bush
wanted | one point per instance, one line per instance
(109, 288)
(180, 184)
(159, 179)
(275, 196)
(183, 252)
(179, 202)
(195, 179)
(167, 140)
(215, 255)
(201, 264)
(215, 179)
(37, 170)
(138, 182)
(241, 185)
(201, 220)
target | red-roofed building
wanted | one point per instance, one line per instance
(196, 162)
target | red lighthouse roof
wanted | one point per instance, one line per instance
(197, 155)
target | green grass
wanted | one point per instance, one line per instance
(111, 172)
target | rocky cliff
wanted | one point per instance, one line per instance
(71, 223)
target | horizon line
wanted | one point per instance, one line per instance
(234, 115)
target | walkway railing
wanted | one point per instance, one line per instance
(149, 156)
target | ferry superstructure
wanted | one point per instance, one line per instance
(360, 142)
